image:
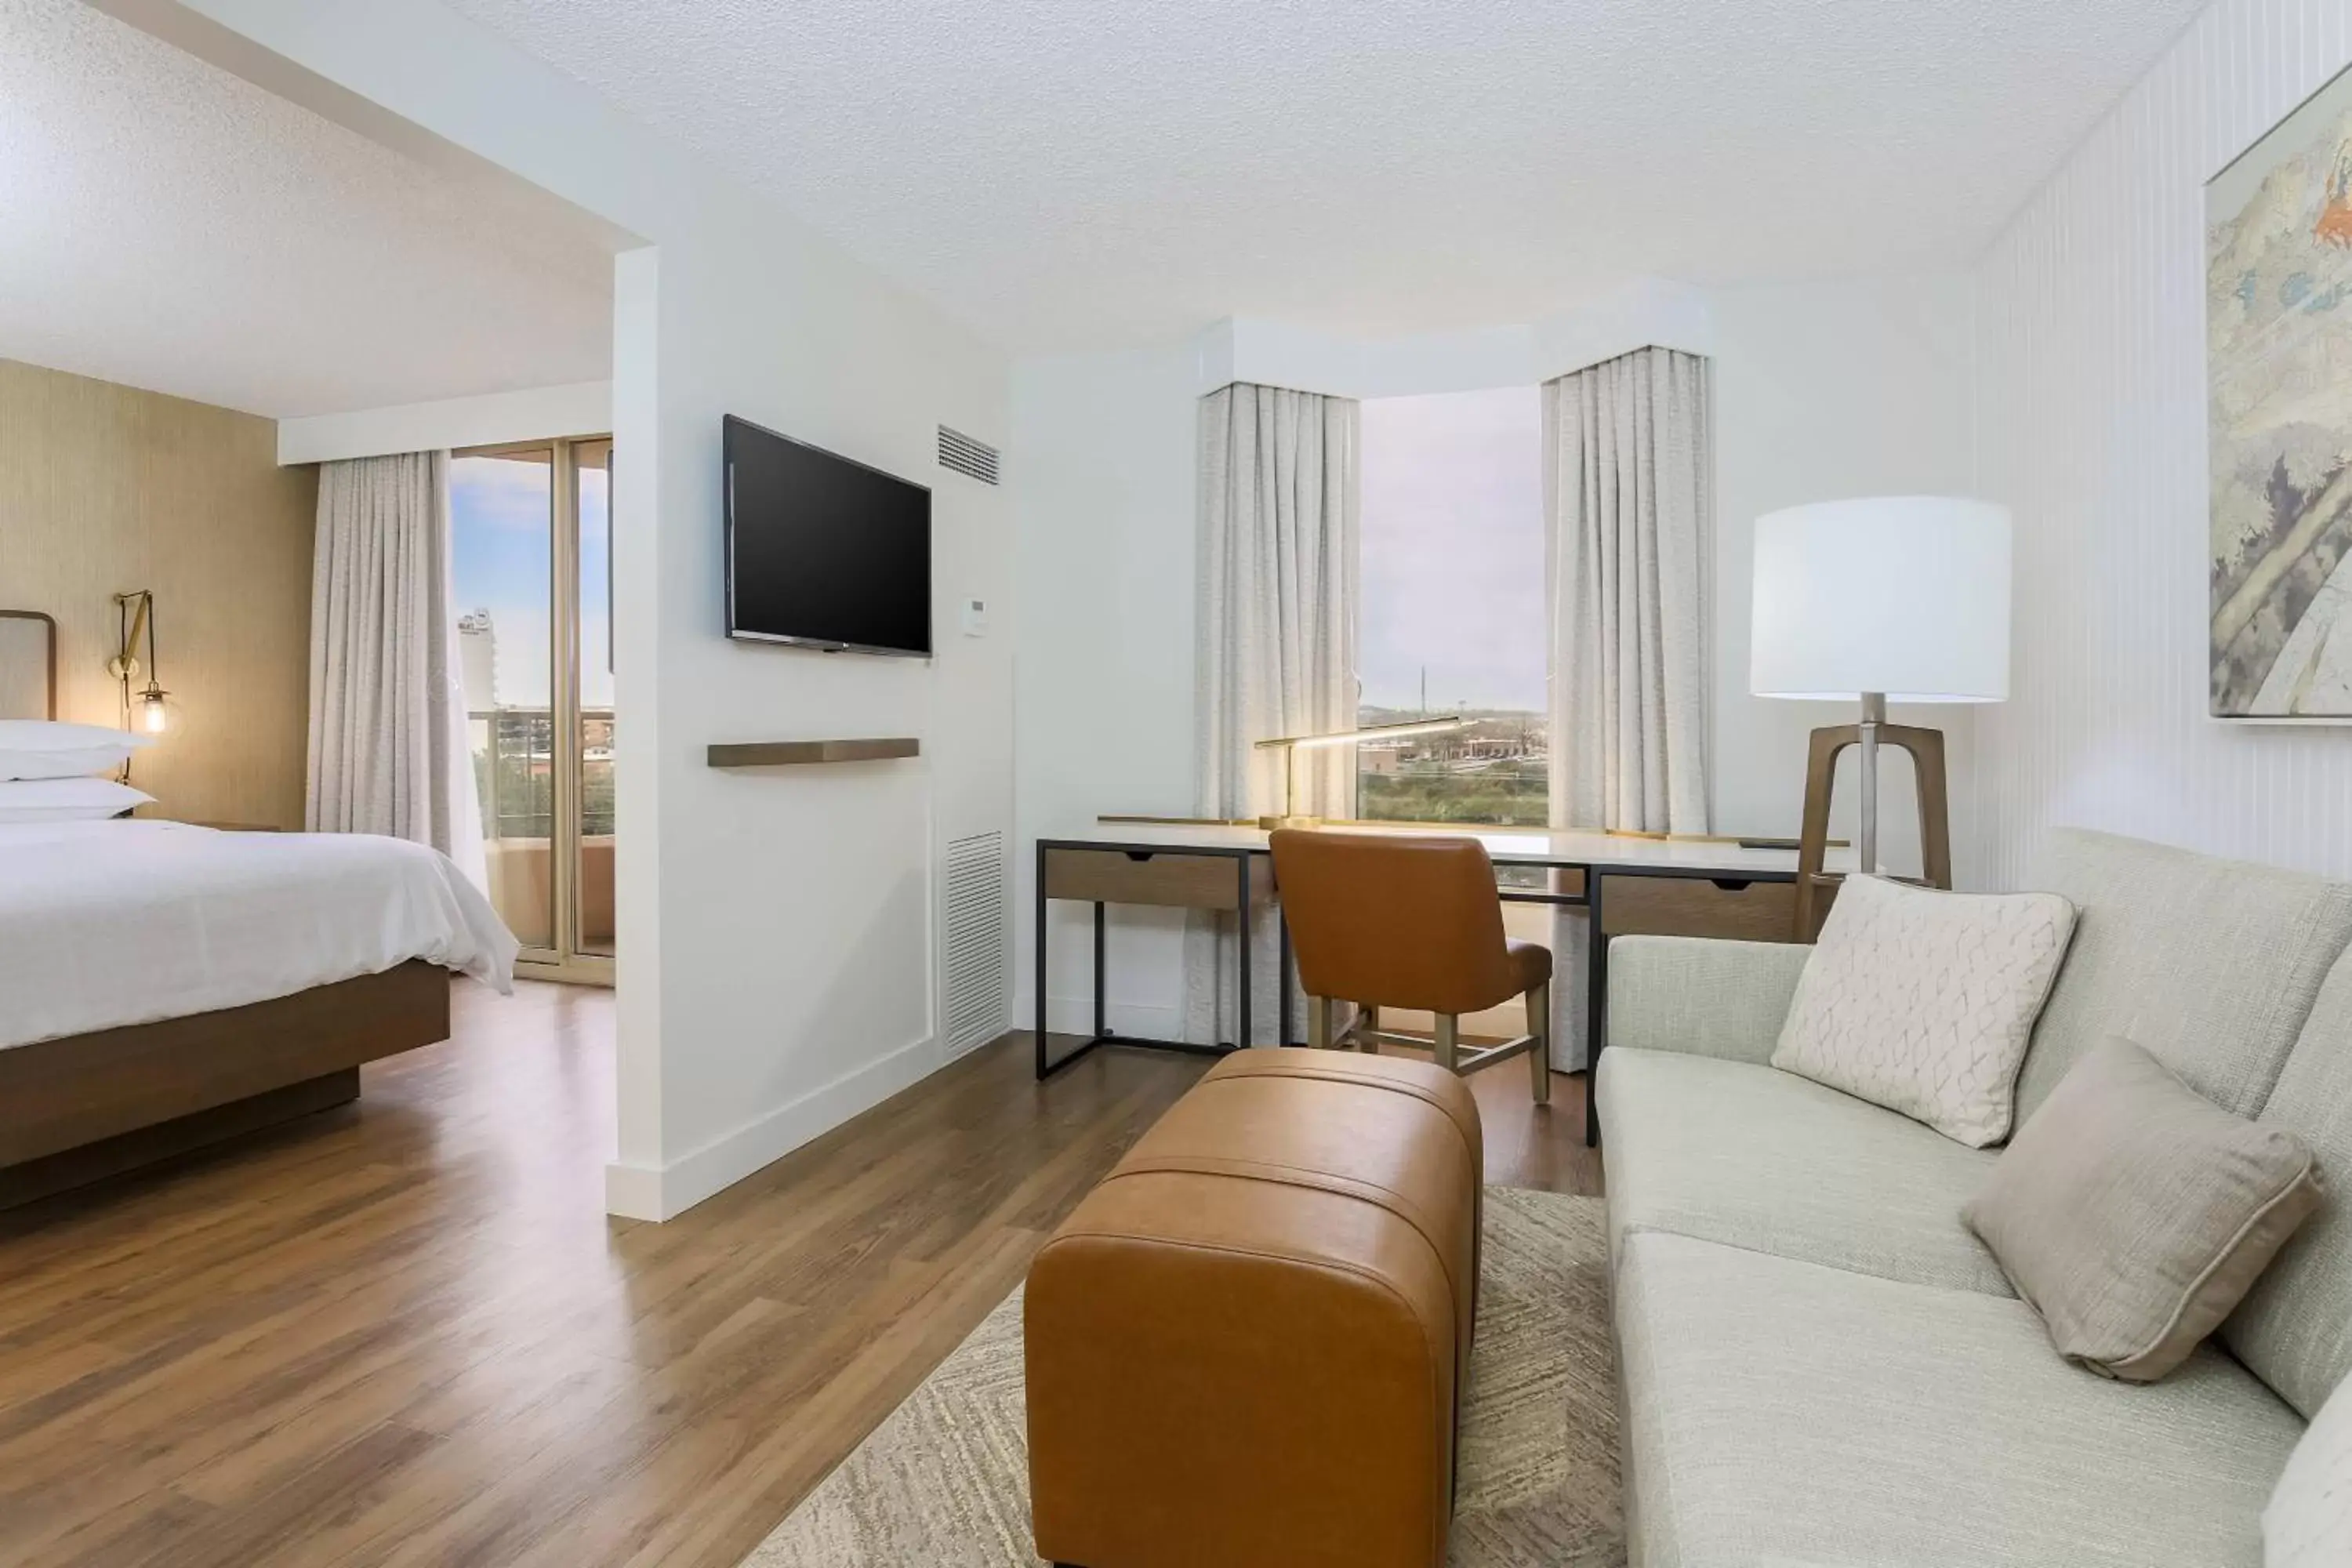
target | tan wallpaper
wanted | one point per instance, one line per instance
(105, 489)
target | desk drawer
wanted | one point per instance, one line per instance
(1695, 906)
(1167, 878)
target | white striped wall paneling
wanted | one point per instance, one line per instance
(2091, 424)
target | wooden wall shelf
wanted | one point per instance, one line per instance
(792, 753)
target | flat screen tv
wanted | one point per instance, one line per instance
(822, 551)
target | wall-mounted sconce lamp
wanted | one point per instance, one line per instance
(135, 617)
(1291, 745)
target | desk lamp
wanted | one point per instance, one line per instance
(1291, 745)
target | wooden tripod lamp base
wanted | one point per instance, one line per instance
(1815, 887)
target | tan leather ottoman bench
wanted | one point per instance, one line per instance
(1245, 1346)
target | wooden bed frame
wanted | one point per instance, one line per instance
(87, 1106)
(75, 1109)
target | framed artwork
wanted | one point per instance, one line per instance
(2278, 322)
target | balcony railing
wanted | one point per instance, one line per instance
(514, 770)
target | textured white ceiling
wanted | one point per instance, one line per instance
(169, 225)
(1076, 174)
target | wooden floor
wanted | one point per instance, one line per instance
(406, 1333)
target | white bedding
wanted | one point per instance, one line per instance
(104, 924)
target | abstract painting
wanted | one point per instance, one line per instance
(2278, 315)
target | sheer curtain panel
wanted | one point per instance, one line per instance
(1629, 490)
(1279, 495)
(388, 747)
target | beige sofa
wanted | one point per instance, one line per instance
(1821, 1365)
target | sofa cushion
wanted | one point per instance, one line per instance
(1744, 1153)
(1779, 1412)
(2309, 1521)
(2134, 1213)
(2295, 1328)
(2211, 965)
(1922, 1001)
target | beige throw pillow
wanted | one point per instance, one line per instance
(1923, 1001)
(2308, 1523)
(2132, 1213)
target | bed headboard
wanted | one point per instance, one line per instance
(29, 665)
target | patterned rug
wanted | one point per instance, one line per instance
(944, 1481)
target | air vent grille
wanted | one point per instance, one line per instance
(960, 452)
(976, 941)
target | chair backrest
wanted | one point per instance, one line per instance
(1397, 920)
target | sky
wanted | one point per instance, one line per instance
(1454, 550)
(501, 542)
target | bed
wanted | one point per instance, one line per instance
(165, 986)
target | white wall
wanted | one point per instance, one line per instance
(1641, 313)
(775, 930)
(1102, 477)
(2091, 420)
(583, 408)
(1823, 390)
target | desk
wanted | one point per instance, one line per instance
(1630, 887)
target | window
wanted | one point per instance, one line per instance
(1452, 606)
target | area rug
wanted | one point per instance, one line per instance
(944, 1481)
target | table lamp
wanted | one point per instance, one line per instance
(1291, 745)
(1900, 599)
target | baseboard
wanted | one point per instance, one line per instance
(663, 1192)
(633, 1192)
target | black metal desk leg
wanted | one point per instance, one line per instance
(1102, 1026)
(1284, 1034)
(1596, 1007)
(1242, 1023)
(1041, 963)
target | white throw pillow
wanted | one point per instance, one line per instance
(1923, 1001)
(2309, 1521)
(67, 800)
(44, 749)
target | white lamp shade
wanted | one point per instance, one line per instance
(1906, 596)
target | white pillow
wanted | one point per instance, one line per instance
(44, 749)
(67, 800)
(1923, 1001)
(2308, 1523)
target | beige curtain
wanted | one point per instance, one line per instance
(388, 747)
(1629, 481)
(1275, 644)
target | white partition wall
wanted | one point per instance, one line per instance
(770, 924)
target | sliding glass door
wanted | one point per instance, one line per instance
(531, 527)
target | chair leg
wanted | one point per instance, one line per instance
(1539, 1054)
(1367, 1028)
(1318, 1023)
(1444, 1043)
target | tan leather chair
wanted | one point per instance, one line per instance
(1409, 919)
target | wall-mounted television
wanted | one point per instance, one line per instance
(822, 551)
